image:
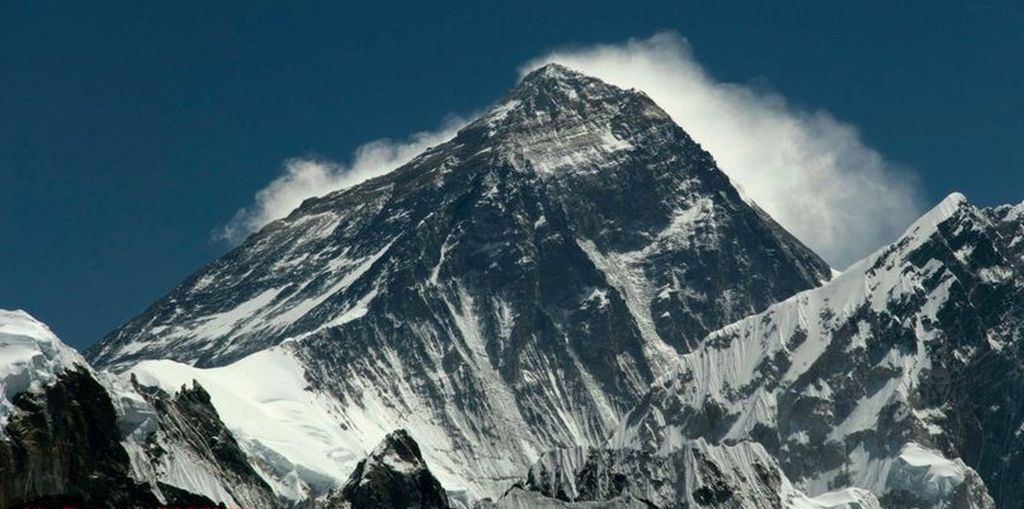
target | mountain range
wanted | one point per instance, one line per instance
(568, 304)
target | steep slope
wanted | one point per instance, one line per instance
(902, 375)
(179, 443)
(393, 476)
(31, 358)
(512, 290)
(59, 439)
(70, 435)
(695, 474)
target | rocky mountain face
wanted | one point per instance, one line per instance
(61, 435)
(569, 283)
(183, 445)
(393, 476)
(513, 290)
(901, 376)
(61, 444)
(694, 474)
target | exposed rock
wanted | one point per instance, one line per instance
(900, 376)
(512, 290)
(62, 445)
(190, 449)
(695, 474)
(393, 476)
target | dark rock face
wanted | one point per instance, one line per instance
(62, 446)
(528, 278)
(564, 157)
(695, 474)
(394, 476)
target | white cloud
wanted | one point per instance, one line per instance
(306, 178)
(810, 171)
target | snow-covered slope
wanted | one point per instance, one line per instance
(902, 375)
(177, 442)
(510, 291)
(293, 436)
(109, 441)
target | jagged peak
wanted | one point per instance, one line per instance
(553, 90)
(398, 445)
(557, 85)
(953, 204)
(554, 71)
(1007, 212)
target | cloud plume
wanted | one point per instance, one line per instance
(810, 171)
(807, 169)
(306, 178)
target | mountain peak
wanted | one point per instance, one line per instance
(553, 72)
(564, 86)
(555, 104)
(950, 206)
(31, 357)
(398, 446)
(573, 239)
(393, 475)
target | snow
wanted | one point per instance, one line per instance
(581, 148)
(222, 323)
(354, 269)
(262, 401)
(598, 296)
(623, 274)
(499, 112)
(849, 498)
(926, 473)
(937, 466)
(31, 358)
(732, 359)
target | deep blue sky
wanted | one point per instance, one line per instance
(128, 133)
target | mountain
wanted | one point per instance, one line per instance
(66, 438)
(73, 436)
(59, 437)
(902, 376)
(692, 474)
(181, 444)
(393, 476)
(510, 291)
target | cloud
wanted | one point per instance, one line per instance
(807, 169)
(306, 178)
(810, 171)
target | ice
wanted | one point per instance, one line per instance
(31, 358)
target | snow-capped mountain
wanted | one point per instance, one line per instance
(901, 376)
(566, 305)
(58, 432)
(513, 290)
(695, 474)
(31, 359)
(393, 476)
(71, 435)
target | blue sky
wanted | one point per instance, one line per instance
(130, 133)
